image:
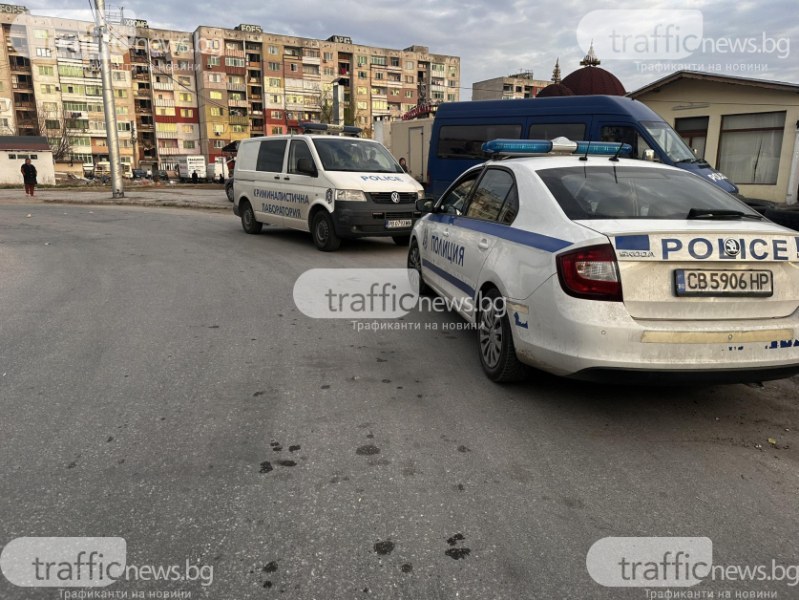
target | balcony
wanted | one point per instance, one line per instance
(255, 97)
(168, 87)
(239, 120)
(234, 53)
(169, 151)
(162, 102)
(256, 112)
(140, 76)
(236, 87)
(253, 64)
(238, 103)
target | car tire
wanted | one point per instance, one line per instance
(787, 218)
(415, 263)
(401, 240)
(248, 221)
(495, 340)
(229, 192)
(324, 232)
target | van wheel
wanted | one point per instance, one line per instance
(495, 340)
(324, 232)
(248, 221)
(401, 240)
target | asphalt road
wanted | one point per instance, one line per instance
(152, 362)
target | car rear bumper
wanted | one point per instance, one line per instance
(599, 340)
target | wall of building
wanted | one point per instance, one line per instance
(11, 161)
(697, 98)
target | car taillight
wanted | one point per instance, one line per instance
(591, 273)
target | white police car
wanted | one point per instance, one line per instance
(592, 266)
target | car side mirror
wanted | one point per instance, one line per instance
(649, 155)
(425, 205)
(306, 166)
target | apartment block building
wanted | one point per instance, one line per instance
(180, 92)
(520, 85)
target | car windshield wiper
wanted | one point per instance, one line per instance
(687, 160)
(721, 214)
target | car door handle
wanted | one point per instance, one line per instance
(277, 176)
(287, 178)
(483, 244)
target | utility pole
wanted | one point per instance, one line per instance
(108, 100)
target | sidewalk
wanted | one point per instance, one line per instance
(171, 196)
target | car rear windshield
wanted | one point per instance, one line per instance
(610, 192)
(359, 156)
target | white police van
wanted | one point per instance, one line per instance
(331, 185)
(592, 266)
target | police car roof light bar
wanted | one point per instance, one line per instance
(561, 145)
(330, 128)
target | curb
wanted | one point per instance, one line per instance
(135, 202)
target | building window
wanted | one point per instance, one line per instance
(120, 93)
(123, 126)
(214, 95)
(379, 60)
(44, 52)
(213, 61)
(362, 75)
(219, 143)
(276, 114)
(409, 65)
(188, 129)
(214, 78)
(693, 131)
(749, 147)
(216, 111)
(273, 66)
(232, 61)
(293, 67)
(328, 56)
(46, 70)
(186, 113)
(188, 144)
(185, 97)
(273, 50)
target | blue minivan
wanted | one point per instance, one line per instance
(461, 128)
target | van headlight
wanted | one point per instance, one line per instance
(420, 194)
(350, 195)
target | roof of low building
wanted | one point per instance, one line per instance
(24, 142)
(716, 78)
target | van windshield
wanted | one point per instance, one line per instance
(670, 141)
(359, 156)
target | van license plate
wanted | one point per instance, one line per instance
(398, 223)
(699, 282)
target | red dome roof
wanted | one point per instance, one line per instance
(593, 80)
(554, 89)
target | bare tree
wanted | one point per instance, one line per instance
(54, 126)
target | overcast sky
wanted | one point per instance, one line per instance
(501, 37)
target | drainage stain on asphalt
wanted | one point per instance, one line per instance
(463, 449)
(259, 393)
(367, 450)
(286, 463)
(406, 568)
(385, 547)
(294, 448)
(266, 466)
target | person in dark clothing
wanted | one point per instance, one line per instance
(194, 177)
(29, 177)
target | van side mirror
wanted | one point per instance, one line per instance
(649, 155)
(306, 166)
(425, 205)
